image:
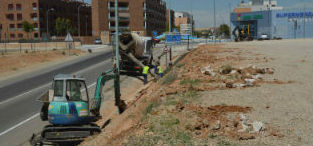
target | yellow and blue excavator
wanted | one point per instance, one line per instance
(70, 111)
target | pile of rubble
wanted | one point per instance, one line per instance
(247, 76)
(221, 120)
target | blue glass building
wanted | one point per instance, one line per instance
(286, 24)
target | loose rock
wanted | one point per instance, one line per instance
(258, 76)
(249, 82)
(216, 125)
(257, 126)
(208, 71)
(233, 72)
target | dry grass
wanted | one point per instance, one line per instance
(16, 62)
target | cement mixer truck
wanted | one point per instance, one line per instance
(135, 51)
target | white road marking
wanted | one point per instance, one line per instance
(19, 96)
(32, 117)
(19, 124)
(91, 85)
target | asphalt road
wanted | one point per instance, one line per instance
(18, 106)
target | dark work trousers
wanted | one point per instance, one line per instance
(155, 69)
(145, 79)
(160, 75)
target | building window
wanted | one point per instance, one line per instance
(20, 27)
(10, 17)
(34, 5)
(19, 16)
(36, 25)
(10, 7)
(18, 7)
(12, 25)
(20, 35)
(36, 35)
(12, 35)
(33, 15)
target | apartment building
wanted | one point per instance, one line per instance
(141, 16)
(185, 22)
(14, 12)
(172, 18)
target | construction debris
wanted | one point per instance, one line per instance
(249, 82)
(257, 126)
(258, 76)
(244, 124)
(233, 72)
(216, 125)
(208, 71)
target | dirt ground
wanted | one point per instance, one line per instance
(250, 93)
(13, 63)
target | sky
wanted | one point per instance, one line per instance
(203, 9)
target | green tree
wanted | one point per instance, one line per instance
(62, 26)
(28, 27)
(224, 30)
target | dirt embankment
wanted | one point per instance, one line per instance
(16, 62)
(171, 111)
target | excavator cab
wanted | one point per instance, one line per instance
(70, 102)
(75, 90)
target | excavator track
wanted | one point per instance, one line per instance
(52, 134)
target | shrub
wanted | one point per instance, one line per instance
(226, 69)
(189, 82)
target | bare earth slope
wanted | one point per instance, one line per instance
(250, 93)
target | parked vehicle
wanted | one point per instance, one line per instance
(264, 37)
(97, 41)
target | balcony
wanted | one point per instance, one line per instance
(34, 8)
(119, 8)
(35, 29)
(12, 29)
(35, 19)
(119, 19)
(120, 27)
(20, 29)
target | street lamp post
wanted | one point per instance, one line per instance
(191, 7)
(229, 20)
(214, 22)
(48, 20)
(86, 33)
(116, 37)
(170, 30)
(118, 101)
(304, 21)
(169, 17)
(78, 19)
